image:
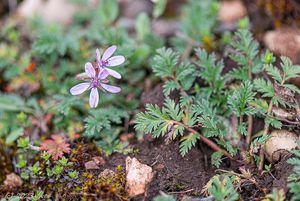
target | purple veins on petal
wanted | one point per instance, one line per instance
(110, 88)
(115, 61)
(89, 70)
(79, 88)
(103, 74)
(94, 98)
(109, 52)
(96, 78)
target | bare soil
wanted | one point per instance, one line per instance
(186, 176)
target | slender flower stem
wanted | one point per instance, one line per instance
(240, 123)
(249, 131)
(207, 141)
(250, 118)
(266, 130)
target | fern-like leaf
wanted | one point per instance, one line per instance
(239, 101)
(102, 119)
(187, 142)
(164, 62)
(265, 87)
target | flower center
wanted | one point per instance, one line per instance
(103, 63)
(94, 82)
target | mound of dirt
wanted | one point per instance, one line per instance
(174, 174)
(180, 176)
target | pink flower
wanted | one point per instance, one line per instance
(94, 82)
(108, 61)
(56, 146)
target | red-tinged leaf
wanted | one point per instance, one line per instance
(56, 146)
(31, 67)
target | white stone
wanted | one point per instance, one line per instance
(138, 176)
(280, 143)
(232, 11)
(13, 180)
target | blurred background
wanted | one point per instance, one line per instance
(44, 44)
(264, 15)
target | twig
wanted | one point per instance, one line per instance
(272, 175)
(230, 172)
(180, 192)
(266, 130)
(207, 141)
(296, 123)
(209, 198)
(288, 121)
(85, 194)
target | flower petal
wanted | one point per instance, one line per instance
(108, 52)
(89, 70)
(110, 88)
(114, 73)
(94, 98)
(79, 88)
(103, 74)
(98, 55)
(82, 76)
(115, 61)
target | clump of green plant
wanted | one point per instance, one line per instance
(37, 166)
(173, 120)
(36, 82)
(221, 187)
(279, 93)
(53, 172)
(246, 55)
(220, 113)
(203, 108)
(100, 121)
